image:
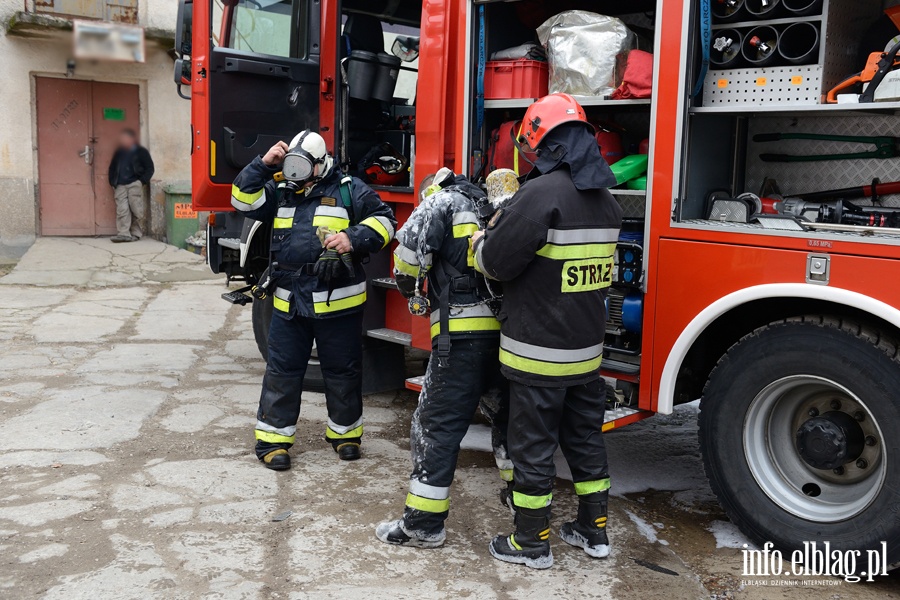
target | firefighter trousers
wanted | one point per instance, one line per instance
(544, 418)
(339, 347)
(454, 387)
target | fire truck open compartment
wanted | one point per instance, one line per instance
(508, 24)
(502, 25)
(753, 127)
(380, 104)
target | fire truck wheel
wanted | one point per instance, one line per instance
(799, 425)
(262, 317)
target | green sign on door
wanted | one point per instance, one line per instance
(113, 114)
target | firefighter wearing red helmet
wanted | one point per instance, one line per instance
(552, 245)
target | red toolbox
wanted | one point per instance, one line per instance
(515, 79)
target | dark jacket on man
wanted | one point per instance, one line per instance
(128, 166)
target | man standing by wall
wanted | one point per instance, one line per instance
(129, 171)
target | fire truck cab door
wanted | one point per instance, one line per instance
(263, 78)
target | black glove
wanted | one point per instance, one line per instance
(347, 261)
(406, 285)
(332, 265)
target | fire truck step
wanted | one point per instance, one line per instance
(385, 282)
(621, 415)
(618, 366)
(415, 383)
(237, 297)
(391, 335)
(233, 243)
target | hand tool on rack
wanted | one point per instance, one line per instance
(885, 147)
(873, 191)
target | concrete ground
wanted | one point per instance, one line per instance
(127, 398)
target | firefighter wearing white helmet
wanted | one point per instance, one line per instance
(465, 339)
(323, 226)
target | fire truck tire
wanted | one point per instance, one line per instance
(799, 423)
(262, 317)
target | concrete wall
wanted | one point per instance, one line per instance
(165, 118)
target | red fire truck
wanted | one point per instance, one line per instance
(780, 308)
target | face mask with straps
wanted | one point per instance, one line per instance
(299, 165)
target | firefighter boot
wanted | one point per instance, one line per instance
(529, 545)
(589, 530)
(396, 532)
(277, 460)
(347, 450)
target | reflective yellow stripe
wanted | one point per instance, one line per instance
(274, 438)
(380, 229)
(539, 367)
(282, 305)
(334, 435)
(283, 223)
(246, 198)
(467, 324)
(333, 223)
(404, 267)
(544, 535)
(513, 543)
(464, 229)
(212, 158)
(589, 487)
(427, 504)
(526, 501)
(281, 299)
(576, 251)
(342, 304)
(506, 474)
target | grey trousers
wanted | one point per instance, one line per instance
(130, 209)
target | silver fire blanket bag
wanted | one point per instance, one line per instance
(586, 52)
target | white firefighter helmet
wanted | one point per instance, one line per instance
(501, 184)
(307, 159)
(434, 183)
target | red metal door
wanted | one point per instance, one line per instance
(64, 156)
(78, 126)
(115, 107)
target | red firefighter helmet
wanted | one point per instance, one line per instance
(385, 165)
(547, 114)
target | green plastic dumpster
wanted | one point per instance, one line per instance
(181, 220)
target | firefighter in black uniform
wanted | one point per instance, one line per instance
(323, 226)
(552, 245)
(464, 367)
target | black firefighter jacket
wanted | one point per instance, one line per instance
(435, 241)
(295, 216)
(553, 247)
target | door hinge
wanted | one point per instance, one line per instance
(327, 88)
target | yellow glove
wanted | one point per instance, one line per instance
(323, 232)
